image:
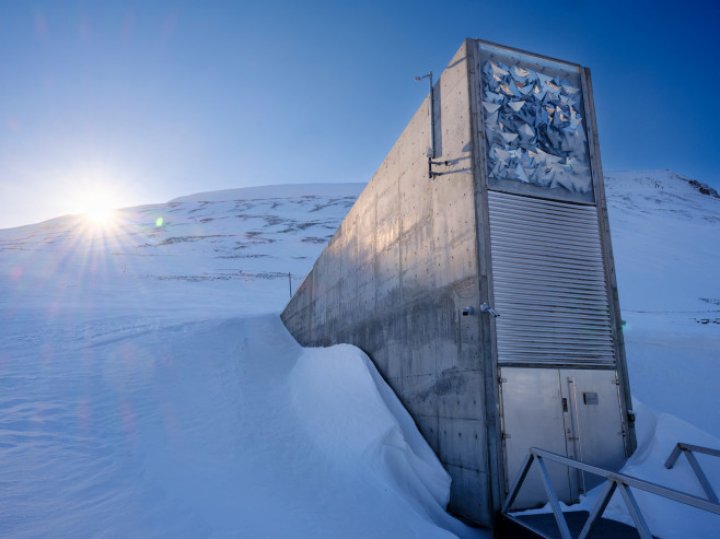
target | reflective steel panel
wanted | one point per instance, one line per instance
(549, 282)
(534, 125)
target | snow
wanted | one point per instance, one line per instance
(353, 416)
(665, 238)
(657, 436)
(145, 391)
(277, 191)
(148, 388)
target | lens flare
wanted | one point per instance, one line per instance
(101, 216)
(97, 205)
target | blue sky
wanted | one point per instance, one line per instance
(155, 100)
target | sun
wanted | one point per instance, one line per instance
(98, 206)
(93, 191)
(101, 215)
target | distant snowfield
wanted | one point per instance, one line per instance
(148, 388)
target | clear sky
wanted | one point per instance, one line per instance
(153, 100)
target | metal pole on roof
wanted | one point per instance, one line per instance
(429, 76)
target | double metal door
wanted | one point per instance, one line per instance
(573, 412)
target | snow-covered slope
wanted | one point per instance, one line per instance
(233, 253)
(147, 387)
(144, 392)
(666, 238)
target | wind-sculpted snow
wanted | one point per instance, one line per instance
(192, 430)
(148, 388)
(143, 395)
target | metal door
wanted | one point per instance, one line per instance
(532, 416)
(593, 421)
(573, 412)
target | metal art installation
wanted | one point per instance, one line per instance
(534, 128)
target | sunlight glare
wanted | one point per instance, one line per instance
(101, 215)
(97, 204)
(97, 207)
(94, 192)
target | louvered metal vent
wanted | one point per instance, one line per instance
(549, 282)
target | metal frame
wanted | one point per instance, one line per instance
(487, 349)
(606, 239)
(688, 450)
(615, 481)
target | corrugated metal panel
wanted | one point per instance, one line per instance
(549, 282)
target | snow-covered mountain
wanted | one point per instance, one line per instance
(147, 387)
(666, 239)
(231, 249)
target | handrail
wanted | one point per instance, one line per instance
(688, 450)
(615, 481)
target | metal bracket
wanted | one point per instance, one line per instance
(431, 172)
(431, 114)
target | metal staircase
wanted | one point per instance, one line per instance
(583, 525)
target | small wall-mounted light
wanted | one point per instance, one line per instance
(487, 308)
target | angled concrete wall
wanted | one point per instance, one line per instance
(413, 252)
(395, 278)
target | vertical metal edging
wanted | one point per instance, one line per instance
(488, 349)
(576, 478)
(606, 243)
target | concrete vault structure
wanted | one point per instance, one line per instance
(476, 271)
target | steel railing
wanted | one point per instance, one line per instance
(615, 481)
(689, 451)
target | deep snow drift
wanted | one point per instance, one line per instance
(143, 392)
(147, 387)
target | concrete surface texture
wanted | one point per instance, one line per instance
(413, 254)
(395, 278)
